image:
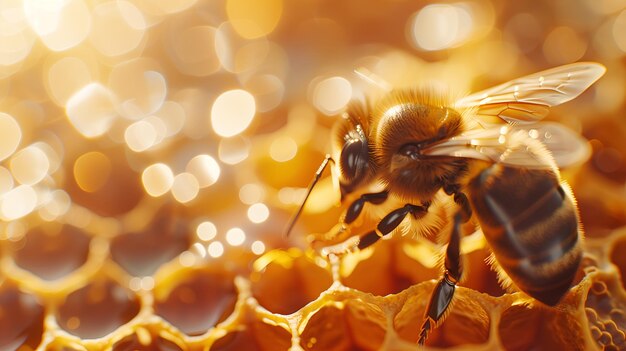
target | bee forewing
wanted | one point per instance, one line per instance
(517, 146)
(527, 99)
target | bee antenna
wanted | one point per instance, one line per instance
(373, 78)
(317, 176)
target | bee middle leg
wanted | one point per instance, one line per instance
(442, 295)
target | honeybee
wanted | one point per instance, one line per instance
(489, 156)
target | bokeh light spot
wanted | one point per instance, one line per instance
(194, 51)
(206, 231)
(91, 110)
(43, 16)
(73, 23)
(18, 202)
(140, 136)
(283, 149)
(258, 213)
(564, 45)
(331, 95)
(258, 247)
(30, 165)
(92, 171)
(235, 236)
(215, 249)
(65, 77)
(157, 179)
(6, 180)
(619, 31)
(232, 112)
(205, 169)
(254, 18)
(118, 27)
(173, 116)
(10, 135)
(440, 26)
(233, 150)
(185, 187)
(251, 193)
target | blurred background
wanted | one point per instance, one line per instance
(141, 135)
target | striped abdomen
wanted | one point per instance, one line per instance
(531, 224)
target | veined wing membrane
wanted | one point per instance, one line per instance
(527, 99)
(518, 145)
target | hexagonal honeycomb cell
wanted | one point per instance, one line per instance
(152, 154)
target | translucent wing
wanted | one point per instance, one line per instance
(527, 99)
(532, 146)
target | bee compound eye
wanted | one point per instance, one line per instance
(353, 160)
(410, 150)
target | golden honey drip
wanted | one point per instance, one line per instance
(151, 153)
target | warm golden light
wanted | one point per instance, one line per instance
(153, 152)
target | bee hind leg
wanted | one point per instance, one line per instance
(442, 295)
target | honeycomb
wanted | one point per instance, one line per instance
(152, 152)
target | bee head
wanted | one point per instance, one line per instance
(406, 128)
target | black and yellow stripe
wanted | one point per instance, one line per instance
(531, 224)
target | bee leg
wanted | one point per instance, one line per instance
(355, 208)
(391, 222)
(384, 227)
(460, 199)
(443, 293)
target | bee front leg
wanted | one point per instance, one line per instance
(443, 293)
(384, 227)
(355, 208)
